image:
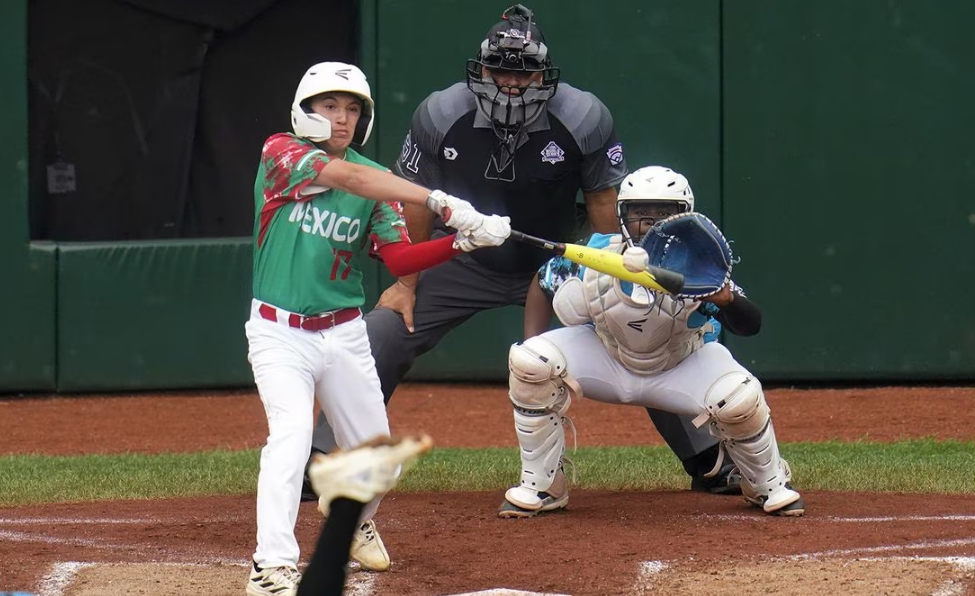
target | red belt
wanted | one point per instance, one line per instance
(315, 323)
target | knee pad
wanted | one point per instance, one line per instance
(737, 407)
(538, 378)
(740, 417)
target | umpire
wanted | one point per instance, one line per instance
(516, 141)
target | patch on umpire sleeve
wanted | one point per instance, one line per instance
(404, 153)
(615, 154)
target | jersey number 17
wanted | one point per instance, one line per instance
(340, 257)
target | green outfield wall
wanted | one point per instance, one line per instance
(849, 185)
(27, 280)
(832, 141)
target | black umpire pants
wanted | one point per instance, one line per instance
(446, 296)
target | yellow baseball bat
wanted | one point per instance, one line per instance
(608, 262)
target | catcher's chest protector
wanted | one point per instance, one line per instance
(646, 331)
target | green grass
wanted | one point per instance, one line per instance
(924, 466)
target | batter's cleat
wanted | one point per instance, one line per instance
(726, 482)
(363, 473)
(273, 581)
(368, 549)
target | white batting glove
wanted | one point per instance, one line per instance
(635, 259)
(493, 232)
(456, 213)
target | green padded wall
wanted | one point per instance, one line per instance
(833, 143)
(849, 171)
(656, 66)
(27, 280)
(148, 315)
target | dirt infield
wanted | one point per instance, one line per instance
(669, 542)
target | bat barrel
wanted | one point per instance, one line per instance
(671, 282)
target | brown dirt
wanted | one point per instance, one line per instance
(449, 543)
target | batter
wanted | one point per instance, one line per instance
(320, 207)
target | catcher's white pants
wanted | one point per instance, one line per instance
(680, 390)
(292, 366)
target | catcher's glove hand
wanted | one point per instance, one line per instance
(691, 244)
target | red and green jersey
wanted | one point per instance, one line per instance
(308, 240)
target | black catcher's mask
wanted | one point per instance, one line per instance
(514, 44)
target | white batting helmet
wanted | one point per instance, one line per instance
(324, 77)
(653, 184)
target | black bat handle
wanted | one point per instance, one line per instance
(556, 247)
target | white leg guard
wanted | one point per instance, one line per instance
(541, 435)
(740, 416)
(540, 390)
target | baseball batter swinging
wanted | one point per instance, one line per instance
(625, 344)
(321, 206)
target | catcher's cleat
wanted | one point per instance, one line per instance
(366, 471)
(273, 581)
(307, 492)
(796, 508)
(712, 471)
(368, 549)
(784, 502)
(524, 502)
(726, 482)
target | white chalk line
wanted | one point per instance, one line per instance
(60, 577)
(855, 520)
(360, 584)
(949, 587)
(43, 538)
(108, 521)
(506, 592)
(96, 543)
(889, 518)
(887, 548)
(963, 563)
(645, 576)
(62, 574)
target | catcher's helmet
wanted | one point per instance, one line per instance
(324, 77)
(653, 185)
(514, 44)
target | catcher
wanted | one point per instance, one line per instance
(626, 344)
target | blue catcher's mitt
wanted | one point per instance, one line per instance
(691, 244)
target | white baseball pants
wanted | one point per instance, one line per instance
(291, 367)
(680, 390)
